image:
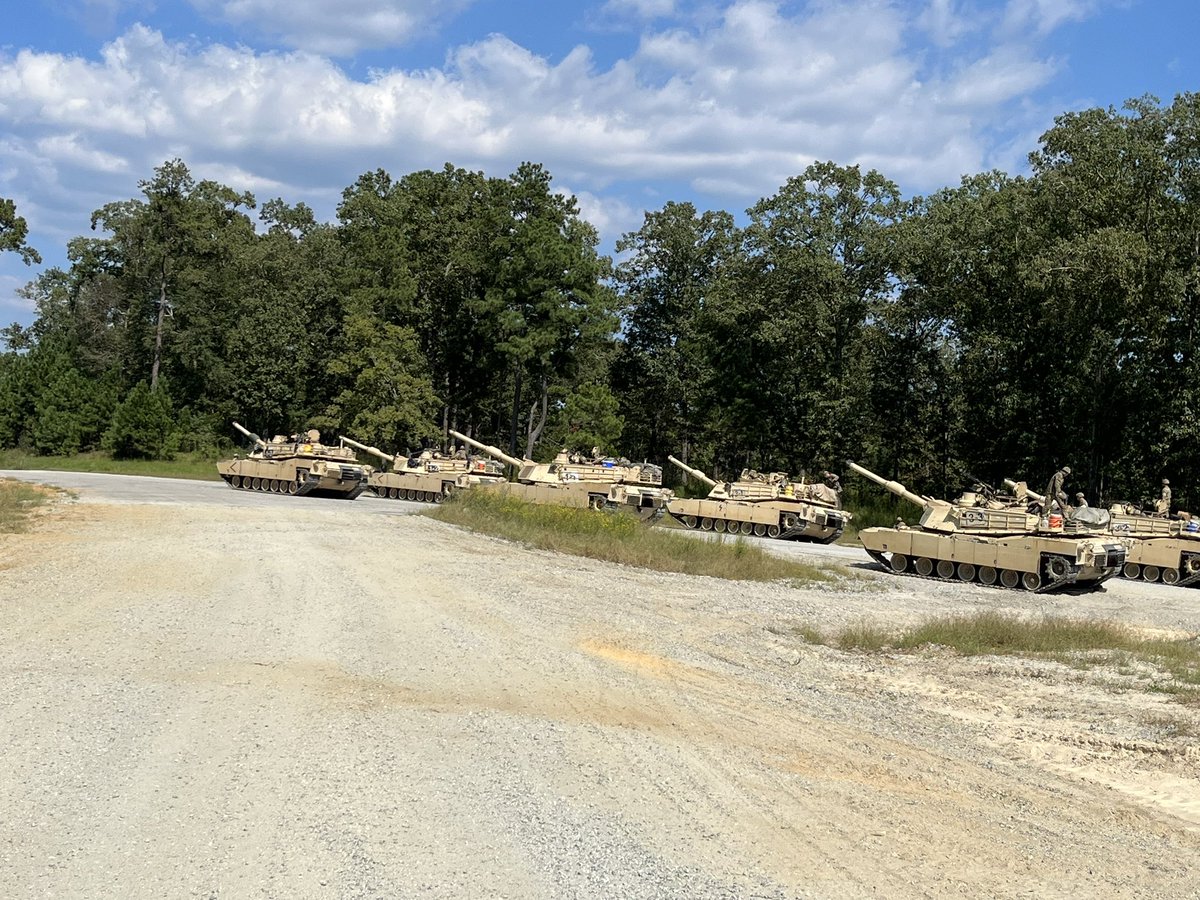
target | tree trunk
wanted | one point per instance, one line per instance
(158, 330)
(516, 413)
(534, 432)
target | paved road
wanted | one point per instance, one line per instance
(94, 487)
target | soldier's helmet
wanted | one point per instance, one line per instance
(1066, 470)
(1079, 496)
(1165, 481)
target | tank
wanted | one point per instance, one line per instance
(299, 464)
(596, 482)
(1158, 548)
(1007, 545)
(428, 477)
(768, 505)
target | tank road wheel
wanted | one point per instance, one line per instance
(1132, 570)
(1009, 578)
(760, 530)
(706, 524)
(924, 566)
(719, 526)
(1031, 581)
(747, 528)
(410, 495)
(256, 484)
(945, 568)
(1150, 573)
(965, 572)
(1170, 576)
(987, 575)
(293, 487)
(437, 497)
(899, 562)
(422, 496)
(236, 481)
(773, 531)
(595, 501)
(689, 522)
(274, 485)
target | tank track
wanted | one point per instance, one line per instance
(387, 493)
(1053, 584)
(796, 532)
(281, 486)
(1184, 580)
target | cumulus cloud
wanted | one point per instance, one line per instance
(338, 29)
(639, 9)
(729, 108)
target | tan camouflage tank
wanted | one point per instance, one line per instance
(767, 505)
(991, 544)
(429, 477)
(571, 480)
(1160, 546)
(299, 464)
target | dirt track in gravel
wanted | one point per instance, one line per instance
(241, 701)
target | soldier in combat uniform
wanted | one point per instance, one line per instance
(1055, 492)
(1081, 500)
(1163, 506)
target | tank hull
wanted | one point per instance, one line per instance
(1174, 561)
(649, 503)
(423, 487)
(768, 518)
(299, 476)
(1034, 562)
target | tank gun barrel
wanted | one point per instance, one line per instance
(1039, 498)
(374, 451)
(894, 486)
(250, 434)
(695, 473)
(488, 449)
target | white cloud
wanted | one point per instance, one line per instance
(339, 29)
(946, 22)
(731, 108)
(1040, 17)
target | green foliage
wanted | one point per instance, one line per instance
(142, 425)
(587, 418)
(71, 414)
(13, 231)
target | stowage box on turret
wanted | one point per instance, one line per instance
(299, 464)
(1158, 548)
(766, 505)
(1006, 545)
(429, 477)
(598, 483)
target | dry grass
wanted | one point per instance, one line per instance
(618, 537)
(1080, 643)
(17, 500)
(184, 465)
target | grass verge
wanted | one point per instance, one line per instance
(17, 500)
(618, 537)
(1082, 643)
(184, 465)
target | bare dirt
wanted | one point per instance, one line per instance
(321, 701)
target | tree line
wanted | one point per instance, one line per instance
(1002, 327)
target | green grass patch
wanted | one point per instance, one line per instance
(1080, 643)
(184, 465)
(618, 537)
(17, 500)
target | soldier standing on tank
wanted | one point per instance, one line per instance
(1163, 507)
(1055, 492)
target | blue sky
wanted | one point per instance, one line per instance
(630, 103)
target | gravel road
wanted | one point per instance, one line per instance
(217, 694)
